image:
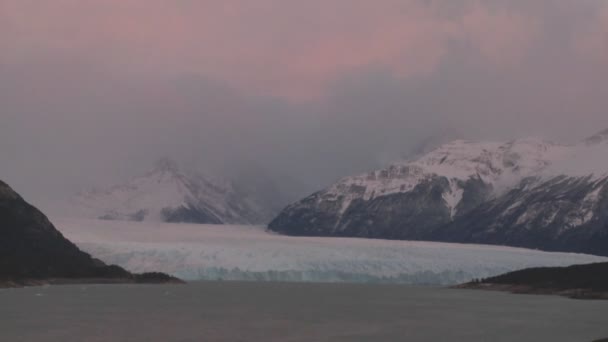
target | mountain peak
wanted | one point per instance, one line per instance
(168, 194)
(6, 192)
(597, 138)
(166, 164)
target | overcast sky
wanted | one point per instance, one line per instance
(92, 92)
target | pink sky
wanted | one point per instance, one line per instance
(311, 90)
(288, 48)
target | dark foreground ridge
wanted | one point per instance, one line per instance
(579, 281)
(34, 252)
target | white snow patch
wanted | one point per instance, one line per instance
(579, 219)
(513, 206)
(525, 217)
(593, 196)
(549, 219)
(453, 197)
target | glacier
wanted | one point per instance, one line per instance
(251, 253)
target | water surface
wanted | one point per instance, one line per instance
(232, 311)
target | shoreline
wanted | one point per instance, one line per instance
(581, 294)
(140, 279)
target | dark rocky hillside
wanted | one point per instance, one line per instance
(580, 281)
(562, 214)
(32, 251)
(402, 215)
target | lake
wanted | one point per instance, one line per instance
(240, 311)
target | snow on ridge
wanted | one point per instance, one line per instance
(500, 164)
(207, 252)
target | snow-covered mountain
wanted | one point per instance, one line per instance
(527, 192)
(166, 194)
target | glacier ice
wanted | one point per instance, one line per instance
(249, 253)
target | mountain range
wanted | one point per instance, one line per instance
(526, 193)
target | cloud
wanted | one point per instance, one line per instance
(503, 37)
(275, 47)
(93, 91)
(593, 40)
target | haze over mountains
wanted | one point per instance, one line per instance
(97, 107)
(525, 193)
(168, 194)
(529, 193)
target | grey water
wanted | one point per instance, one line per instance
(251, 312)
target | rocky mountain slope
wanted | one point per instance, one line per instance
(166, 194)
(32, 250)
(529, 193)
